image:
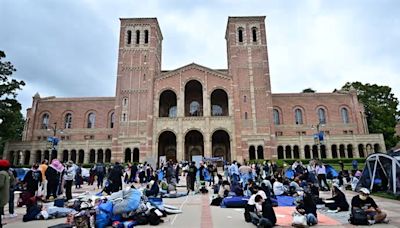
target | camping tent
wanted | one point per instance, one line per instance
(381, 173)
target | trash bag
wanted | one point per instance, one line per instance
(130, 201)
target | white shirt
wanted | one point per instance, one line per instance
(278, 188)
(253, 197)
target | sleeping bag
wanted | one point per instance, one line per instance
(129, 202)
(235, 201)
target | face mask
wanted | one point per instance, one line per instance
(362, 197)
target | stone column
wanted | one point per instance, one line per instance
(328, 151)
(207, 145)
(96, 156)
(356, 152)
(180, 147)
(21, 157)
(32, 158)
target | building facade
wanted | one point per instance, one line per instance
(195, 110)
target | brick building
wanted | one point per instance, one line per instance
(195, 110)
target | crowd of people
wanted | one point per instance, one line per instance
(262, 183)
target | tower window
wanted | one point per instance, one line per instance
(245, 115)
(125, 101)
(276, 116)
(137, 36)
(244, 98)
(129, 35)
(254, 33)
(240, 35)
(91, 120)
(298, 114)
(124, 117)
(144, 77)
(345, 115)
(146, 36)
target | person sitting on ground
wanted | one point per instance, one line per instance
(251, 203)
(263, 215)
(294, 185)
(152, 189)
(278, 187)
(236, 187)
(365, 202)
(340, 202)
(308, 208)
(224, 189)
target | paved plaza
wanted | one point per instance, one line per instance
(197, 212)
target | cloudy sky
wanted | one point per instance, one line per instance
(68, 48)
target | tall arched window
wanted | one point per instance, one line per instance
(137, 36)
(146, 36)
(45, 121)
(321, 116)
(68, 120)
(277, 119)
(112, 120)
(254, 33)
(345, 115)
(298, 114)
(123, 117)
(245, 115)
(129, 37)
(240, 35)
(91, 120)
(125, 101)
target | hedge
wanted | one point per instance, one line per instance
(280, 162)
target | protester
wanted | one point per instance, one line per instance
(365, 202)
(321, 174)
(69, 178)
(32, 179)
(191, 177)
(92, 174)
(234, 172)
(78, 177)
(152, 189)
(4, 186)
(43, 168)
(134, 170)
(340, 202)
(308, 208)
(263, 215)
(13, 184)
(354, 163)
(53, 176)
(100, 173)
(278, 187)
(177, 171)
(115, 177)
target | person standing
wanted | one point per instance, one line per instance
(4, 186)
(134, 170)
(53, 176)
(43, 168)
(69, 178)
(321, 174)
(100, 173)
(32, 179)
(191, 176)
(78, 177)
(13, 184)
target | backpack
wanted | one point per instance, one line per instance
(358, 217)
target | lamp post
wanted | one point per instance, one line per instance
(54, 140)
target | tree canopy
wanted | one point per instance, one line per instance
(380, 109)
(308, 90)
(10, 109)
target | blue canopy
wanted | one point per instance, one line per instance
(331, 173)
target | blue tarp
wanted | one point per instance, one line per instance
(331, 173)
(285, 201)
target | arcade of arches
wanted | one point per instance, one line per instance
(324, 151)
(194, 145)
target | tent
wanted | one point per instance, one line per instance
(381, 173)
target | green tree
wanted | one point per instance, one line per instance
(10, 109)
(380, 109)
(308, 90)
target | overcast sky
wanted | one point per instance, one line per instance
(69, 48)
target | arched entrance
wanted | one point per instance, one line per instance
(252, 153)
(81, 156)
(135, 155)
(167, 146)
(315, 151)
(307, 153)
(334, 151)
(260, 152)
(296, 152)
(288, 152)
(342, 151)
(47, 155)
(361, 150)
(100, 155)
(193, 98)
(108, 155)
(350, 151)
(221, 145)
(280, 152)
(194, 144)
(323, 151)
(27, 157)
(92, 156)
(128, 156)
(53, 155)
(38, 156)
(65, 156)
(73, 156)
